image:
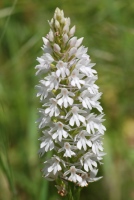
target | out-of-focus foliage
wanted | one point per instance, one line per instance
(107, 26)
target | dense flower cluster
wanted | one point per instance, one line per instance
(70, 123)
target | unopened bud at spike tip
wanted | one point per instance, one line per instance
(57, 24)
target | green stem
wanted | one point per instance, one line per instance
(73, 192)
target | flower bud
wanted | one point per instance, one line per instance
(79, 41)
(57, 24)
(56, 48)
(72, 41)
(62, 20)
(61, 15)
(72, 51)
(51, 22)
(57, 13)
(68, 21)
(66, 29)
(50, 36)
(45, 41)
(72, 31)
(65, 38)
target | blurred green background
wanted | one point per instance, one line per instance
(108, 29)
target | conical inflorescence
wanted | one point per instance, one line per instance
(71, 115)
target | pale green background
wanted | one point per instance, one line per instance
(108, 30)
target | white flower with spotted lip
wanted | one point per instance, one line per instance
(51, 81)
(44, 120)
(60, 132)
(90, 101)
(83, 182)
(76, 79)
(97, 144)
(85, 67)
(95, 122)
(46, 144)
(82, 141)
(53, 165)
(45, 62)
(53, 110)
(88, 161)
(88, 178)
(74, 176)
(64, 99)
(81, 52)
(62, 69)
(42, 92)
(76, 118)
(67, 148)
(89, 84)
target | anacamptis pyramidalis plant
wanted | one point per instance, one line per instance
(71, 114)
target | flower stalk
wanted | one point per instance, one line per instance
(73, 191)
(71, 115)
